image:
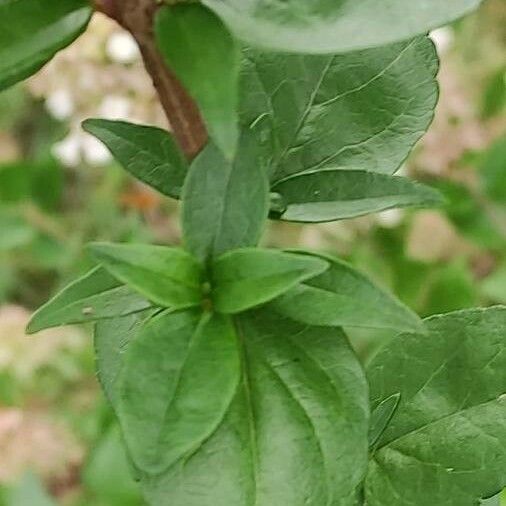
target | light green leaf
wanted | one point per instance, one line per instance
(150, 154)
(295, 433)
(199, 48)
(111, 340)
(33, 31)
(246, 278)
(170, 277)
(178, 380)
(225, 205)
(328, 26)
(333, 194)
(343, 297)
(446, 443)
(94, 296)
(362, 110)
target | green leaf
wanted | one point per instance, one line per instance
(170, 277)
(225, 205)
(446, 443)
(246, 278)
(334, 194)
(295, 433)
(33, 31)
(362, 110)
(335, 26)
(381, 416)
(150, 154)
(342, 296)
(199, 48)
(30, 491)
(111, 339)
(178, 380)
(94, 296)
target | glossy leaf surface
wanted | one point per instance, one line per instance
(445, 443)
(148, 153)
(246, 278)
(33, 31)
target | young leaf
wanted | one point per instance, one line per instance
(342, 296)
(150, 154)
(170, 277)
(445, 442)
(362, 110)
(111, 339)
(199, 48)
(246, 278)
(225, 205)
(33, 31)
(94, 296)
(333, 194)
(335, 26)
(295, 433)
(178, 380)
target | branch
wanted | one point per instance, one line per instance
(137, 16)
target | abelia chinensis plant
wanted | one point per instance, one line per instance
(226, 363)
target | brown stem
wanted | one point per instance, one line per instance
(137, 17)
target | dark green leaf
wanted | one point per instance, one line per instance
(33, 31)
(334, 194)
(329, 26)
(178, 380)
(94, 296)
(225, 205)
(295, 433)
(150, 154)
(342, 296)
(170, 277)
(198, 47)
(246, 278)
(381, 416)
(446, 443)
(363, 110)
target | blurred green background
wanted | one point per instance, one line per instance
(59, 443)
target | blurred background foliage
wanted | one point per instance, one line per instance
(59, 189)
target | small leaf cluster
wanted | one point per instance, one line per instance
(227, 364)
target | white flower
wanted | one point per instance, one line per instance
(60, 104)
(115, 107)
(443, 38)
(94, 152)
(122, 48)
(68, 151)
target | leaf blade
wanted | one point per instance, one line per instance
(33, 31)
(148, 153)
(170, 277)
(333, 194)
(94, 296)
(210, 71)
(246, 278)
